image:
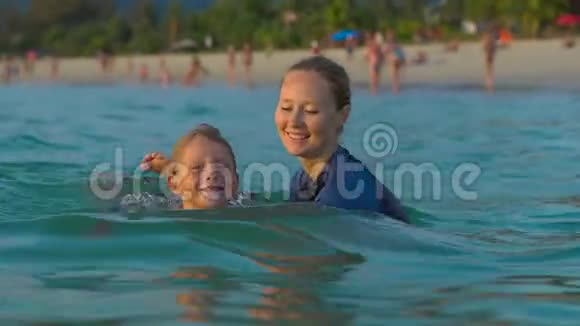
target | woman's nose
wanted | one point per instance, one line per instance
(295, 118)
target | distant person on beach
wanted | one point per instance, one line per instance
(420, 58)
(231, 53)
(314, 47)
(144, 73)
(375, 60)
(164, 74)
(313, 108)
(130, 64)
(54, 67)
(31, 57)
(569, 41)
(452, 46)
(4, 71)
(193, 75)
(11, 69)
(247, 60)
(105, 59)
(102, 60)
(349, 46)
(489, 50)
(396, 60)
(379, 39)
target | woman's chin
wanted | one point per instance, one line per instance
(299, 151)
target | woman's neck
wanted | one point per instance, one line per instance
(314, 166)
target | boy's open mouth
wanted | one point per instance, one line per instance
(214, 192)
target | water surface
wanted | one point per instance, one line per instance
(509, 257)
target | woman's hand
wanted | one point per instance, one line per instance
(155, 162)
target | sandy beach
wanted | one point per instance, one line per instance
(536, 63)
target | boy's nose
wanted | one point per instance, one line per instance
(213, 172)
(212, 176)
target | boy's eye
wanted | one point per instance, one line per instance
(286, 108)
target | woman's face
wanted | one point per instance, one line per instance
(306, 117)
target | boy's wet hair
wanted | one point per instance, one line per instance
(206, 131)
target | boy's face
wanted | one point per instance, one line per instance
(205, 175)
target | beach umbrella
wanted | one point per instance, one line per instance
(344, 34)
(568, 20)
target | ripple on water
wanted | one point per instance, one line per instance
(117, 117)
(196, 110)
(147, 107)
(511, 254)
(103, 139)
(31, 142)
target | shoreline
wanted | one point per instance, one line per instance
(526, 63)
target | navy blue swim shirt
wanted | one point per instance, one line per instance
(346, 183)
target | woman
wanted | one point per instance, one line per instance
(396, 57)
(313, 107)
(489, 48)
(375, 62)
(247, 60)
(231, 64)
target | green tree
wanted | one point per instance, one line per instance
(45, 13)
(337, 14)
(452, 12)
(11, 26)
(83, 26)
(117, 33)
(539, 13)
(145, 34)
(174, 21)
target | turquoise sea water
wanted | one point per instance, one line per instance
(509, 257)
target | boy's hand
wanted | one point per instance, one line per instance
(155, 162)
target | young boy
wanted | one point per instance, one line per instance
(202, 170)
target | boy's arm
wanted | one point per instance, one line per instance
(155, 162)
(159, 165)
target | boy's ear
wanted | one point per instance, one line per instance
(235, 178)
(344, 114)
(174, 177)
(236, 183)
(171, 184)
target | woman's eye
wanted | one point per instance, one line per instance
(310, 110)
(286, 108)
